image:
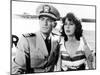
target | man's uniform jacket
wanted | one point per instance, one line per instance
(32, 54)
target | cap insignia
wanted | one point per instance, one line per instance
(46, 8)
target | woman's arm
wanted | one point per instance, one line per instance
(88, 54)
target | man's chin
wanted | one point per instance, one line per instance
(45, 32)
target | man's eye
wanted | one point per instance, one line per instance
(42, 18)
(50, 20)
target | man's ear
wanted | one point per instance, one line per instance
(54, 24)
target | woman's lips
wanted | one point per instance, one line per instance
(68, 31)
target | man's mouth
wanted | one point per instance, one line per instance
(45, 27)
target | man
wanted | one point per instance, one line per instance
(38, 52)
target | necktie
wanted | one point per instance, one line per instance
(48, 44)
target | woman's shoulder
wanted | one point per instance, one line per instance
(83, 42)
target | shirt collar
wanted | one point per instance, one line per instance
(45, 37)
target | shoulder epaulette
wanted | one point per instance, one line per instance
(29, 35)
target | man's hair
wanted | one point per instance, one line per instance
(47, 16)
(78, 31)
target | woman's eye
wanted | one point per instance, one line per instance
(71, 24)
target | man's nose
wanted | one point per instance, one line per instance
(45, 22)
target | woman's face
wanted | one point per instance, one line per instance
(69, 28)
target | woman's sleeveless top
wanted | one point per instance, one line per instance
(72, 62)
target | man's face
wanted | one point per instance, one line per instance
(46, 24)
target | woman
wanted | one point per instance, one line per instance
(74, 51)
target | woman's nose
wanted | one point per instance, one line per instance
(68, 26)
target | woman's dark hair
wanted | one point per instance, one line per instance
(78, 30)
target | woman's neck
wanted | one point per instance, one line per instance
(71, 38)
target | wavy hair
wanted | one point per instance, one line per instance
(78, 31)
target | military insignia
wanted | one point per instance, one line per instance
(46, 8)
(28, 35)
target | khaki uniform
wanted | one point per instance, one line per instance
(32, 55)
